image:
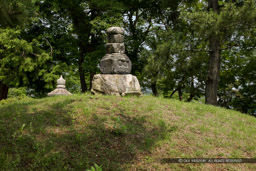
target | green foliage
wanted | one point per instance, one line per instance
(23, 63)
(235, 25)
(231, 23)
(174, 62)
(95, 168)
(15, 13)
(17, 92)
(177, 53)
(75, 31)
(244, 99)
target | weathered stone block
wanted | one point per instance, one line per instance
(115, 30)
(115, 63)
(115, 48)
(116, 84)
(115, 38)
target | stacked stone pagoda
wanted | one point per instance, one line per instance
(61, 88)
(115, 67)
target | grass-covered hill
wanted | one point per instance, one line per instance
(121, 133)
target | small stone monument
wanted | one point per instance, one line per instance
(115, 67)
(61, 88)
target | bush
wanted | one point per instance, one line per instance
(17, 92)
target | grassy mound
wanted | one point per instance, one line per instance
(128, 133)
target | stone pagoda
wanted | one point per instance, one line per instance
(115, 67)
(61, 88)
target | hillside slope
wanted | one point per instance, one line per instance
(128, 133)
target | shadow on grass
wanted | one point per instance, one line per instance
(109, 141)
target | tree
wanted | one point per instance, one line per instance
(13, 14)
(87, 20)
(212, 79)
(165, 57)
(21, 62)
(179, 68)
(223, 26)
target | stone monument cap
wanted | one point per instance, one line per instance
(61, 81)
(115, 30)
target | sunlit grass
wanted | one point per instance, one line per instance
(129, 133)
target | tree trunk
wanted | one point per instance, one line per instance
(214, 62)
(80, 30)
(173, 92)
(154, 88)
(192, 91)
(214, 5)
(91, 78)
(82, 74)
(213, 72)
(180, 94)
(3, 91)
(191, 96)
(153, 83)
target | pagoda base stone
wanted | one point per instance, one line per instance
(116, 84)
(59, 91)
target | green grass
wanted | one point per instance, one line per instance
(81, 131)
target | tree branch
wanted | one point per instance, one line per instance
(49, 45)
(196, 50)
